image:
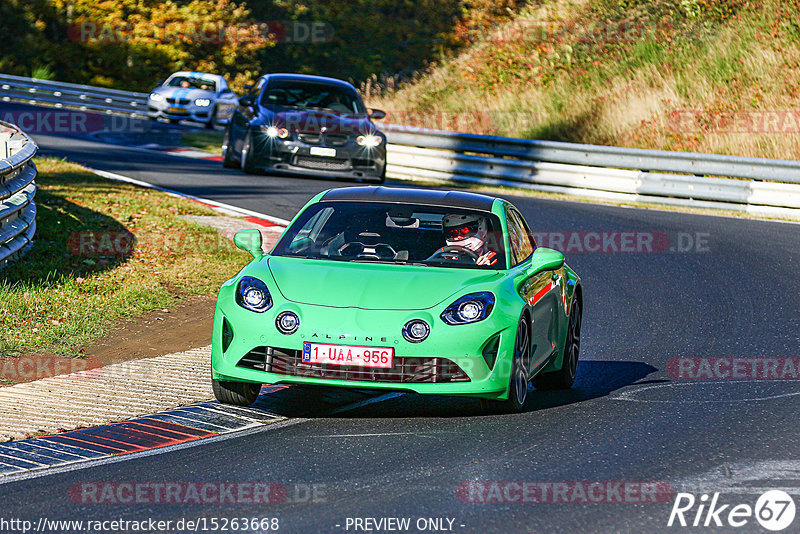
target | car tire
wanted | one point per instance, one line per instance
(518, 379)
(246, 157)
(227, 159)
(236, 393)
(565, 377)
(212, 119)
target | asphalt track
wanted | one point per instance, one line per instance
(626, 419)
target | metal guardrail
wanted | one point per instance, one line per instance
(17, 191)
(764, 186)
(83, 97)
(610, 173)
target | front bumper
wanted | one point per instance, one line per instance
(293, 156)
(463, 345)
(165, 110)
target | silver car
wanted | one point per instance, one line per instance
(196, 96)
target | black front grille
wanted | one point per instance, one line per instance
(182, 101)
(336, 139)
(368, 163)
(310, 139)
(404, 369)
(324, 164)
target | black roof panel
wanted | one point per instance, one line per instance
(402, 195)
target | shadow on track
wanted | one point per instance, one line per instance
(595, 379)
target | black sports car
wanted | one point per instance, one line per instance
(310, 125)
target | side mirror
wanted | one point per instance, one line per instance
(247, 101)
(377, 114)
(545, 259)
(249, 241)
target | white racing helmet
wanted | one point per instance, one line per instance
(468, 231)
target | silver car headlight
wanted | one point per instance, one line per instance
(202, 102)
(156, 97)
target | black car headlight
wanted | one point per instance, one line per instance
(469, 309)
(369, 140)
(274, 132)
(252, 294)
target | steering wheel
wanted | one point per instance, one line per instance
(381, 251)
(455, 254)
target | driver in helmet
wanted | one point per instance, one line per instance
(469, 232)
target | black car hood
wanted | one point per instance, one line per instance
(312, 121)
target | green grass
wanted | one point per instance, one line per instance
(207, 141)
(55, 299)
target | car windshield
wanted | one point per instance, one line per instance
(399, 234)
(284, 95)
(188, 82)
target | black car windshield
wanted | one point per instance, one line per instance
(293, 95)
(188, 82)
(396, 233)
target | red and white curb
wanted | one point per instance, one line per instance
(268, 221)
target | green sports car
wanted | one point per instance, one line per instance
(435, 292)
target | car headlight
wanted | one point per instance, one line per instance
(252, 294)
(156, 97)
(469, 309)
(416, 330)
(202, 102)
(369, 141)
(274, 131)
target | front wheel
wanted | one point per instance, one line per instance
(518, 380)
(227, 151)
(565, 377)
(247, 156)
(212, 119)
(236, 393)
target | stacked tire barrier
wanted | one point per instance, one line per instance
(17, 192)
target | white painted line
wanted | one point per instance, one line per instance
(228, 209)
(373, 400)
(630, 395)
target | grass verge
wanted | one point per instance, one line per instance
(207, 141)
(716, 76)
(82, 275)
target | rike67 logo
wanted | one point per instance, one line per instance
(774, 510)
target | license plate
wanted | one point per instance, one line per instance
(348, 355)
(175, 110)
(323, 151)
